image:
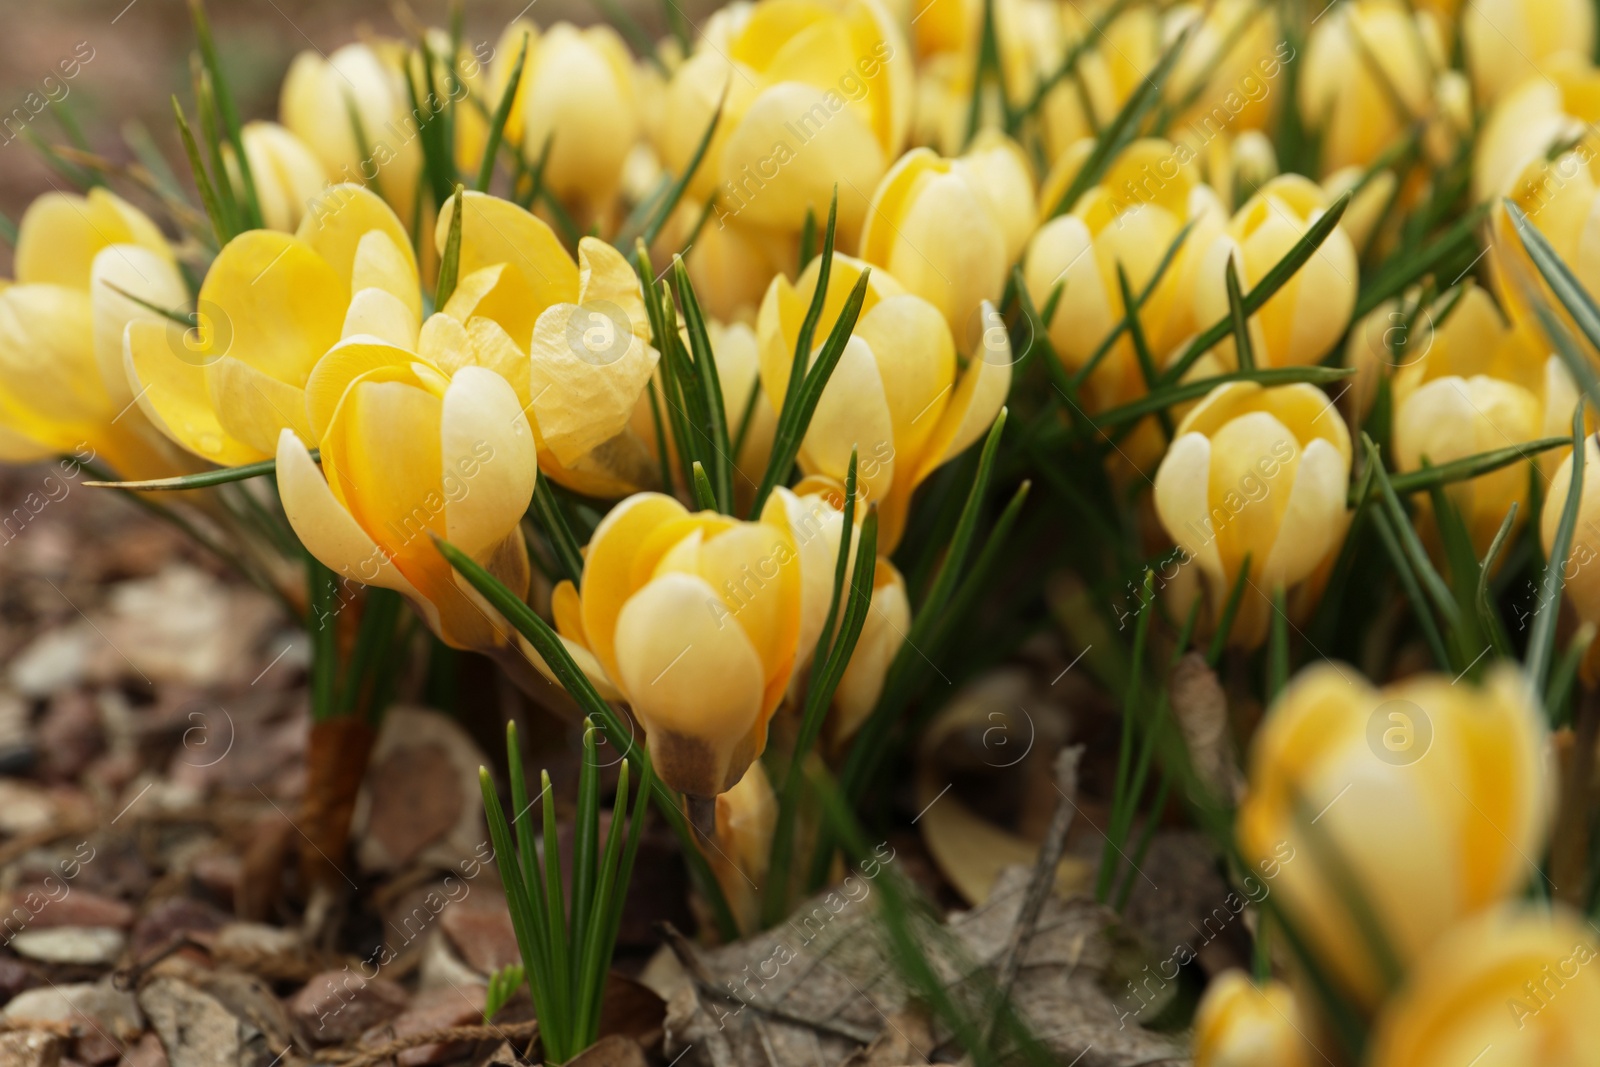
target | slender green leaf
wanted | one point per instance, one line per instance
(497, 124)
(1542, 639)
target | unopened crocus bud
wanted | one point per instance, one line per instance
(1304, 319)
(696, 619)
(1242, 1024)
(1130, 219)
(325, 99)
(1426, 797)
(1258, 472)
(286, 174)
(1370, 197)
(577, 95)
(949, 229)
(1368, 72)
(898, 397)
(746, 817)
(1515, 986)
(814, 97)
(1475, 383)
(1508, 42)
(62, 390)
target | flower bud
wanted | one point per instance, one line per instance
(320, 95)
(409, 454)
(816, 97)
(1369, 70)
(949, 229)
(1426, 797)
(897, 397)
(1508, 42)
(696, 619)
(1257, 472)
(746, 817)
(1306, 317)
(1520, 130)
(61, 326)
(1241, 1024)
(1130, 219)
(1475, 383)
(577, 94)
(287, 176)
(1518, 980)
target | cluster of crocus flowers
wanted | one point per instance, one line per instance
(1410, 813)
(83, 265)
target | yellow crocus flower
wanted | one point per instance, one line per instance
(696, 619)
(1509, 42)
(1303, 320)
(1429, 796)
(61, 327)
(1242, 1024)
(1479, 382)
(949, 229)
(1261, 472)
(1516, 987)
(1147, 195)
(818, 95)
(287, 176)
(898, 395)
(269, 308)
(577, 94)
(1369, 71)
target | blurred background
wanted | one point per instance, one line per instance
(128, 59)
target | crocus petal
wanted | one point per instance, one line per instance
(1312, 523)
(252, 406)
(283, 304)
(696, 683)
(172, 394)
(1183, 502)
(607, 578)
(487, 455)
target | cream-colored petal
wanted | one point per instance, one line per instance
(692, 677)
(1314, 521)
(382, 264)
(979, 396)
(853, 413)
(1182, 500)
(586, 376)
(381, 314)
(488, 461)
(607, 569)
(337, 224)
(604, 275)
(142, 273)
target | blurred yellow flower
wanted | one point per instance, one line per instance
(1527, 122)
(1519, 981)
(1242, 1024)
(899, 396)
(286, 174)
(1508, 42)
(61, 325)
(1131, 218)
(696, 619)
(818, 95)
(746, 817)
(1428, 796)
(1369, 71)
(1262, 472)
(1581, 574)
(949, 229)
(1303, 320)
(577, 94)
(1475, 383)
